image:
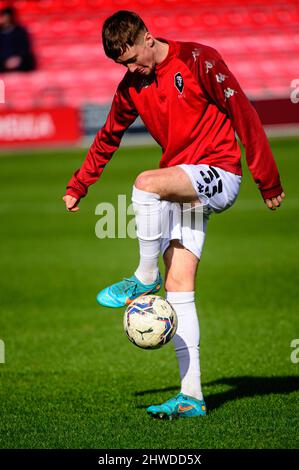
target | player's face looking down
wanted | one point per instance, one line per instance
(140, 57)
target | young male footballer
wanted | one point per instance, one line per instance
(192, 105)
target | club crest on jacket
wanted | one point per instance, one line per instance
(179, 82)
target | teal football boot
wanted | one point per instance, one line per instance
(181, 406)
(124, 292)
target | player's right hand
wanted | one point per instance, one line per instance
(71, 203)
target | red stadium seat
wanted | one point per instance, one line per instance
(258, 40)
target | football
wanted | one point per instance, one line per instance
(150, 322)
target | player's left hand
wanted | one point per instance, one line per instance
(275, 202)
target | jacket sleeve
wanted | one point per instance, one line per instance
(223, 89)
(122, 114)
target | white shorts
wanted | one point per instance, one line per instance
(217, 190)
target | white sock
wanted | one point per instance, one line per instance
(186, 342)
(147, 208)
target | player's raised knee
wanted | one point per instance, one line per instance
(145, 182)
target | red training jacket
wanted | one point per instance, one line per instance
(192, 107)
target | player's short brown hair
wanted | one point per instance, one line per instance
(121, 30)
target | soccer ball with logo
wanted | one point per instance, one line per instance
(150, 322)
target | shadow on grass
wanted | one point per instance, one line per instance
(241, 387)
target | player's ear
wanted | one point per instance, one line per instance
(148, 39)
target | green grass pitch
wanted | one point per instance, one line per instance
(71, 379)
